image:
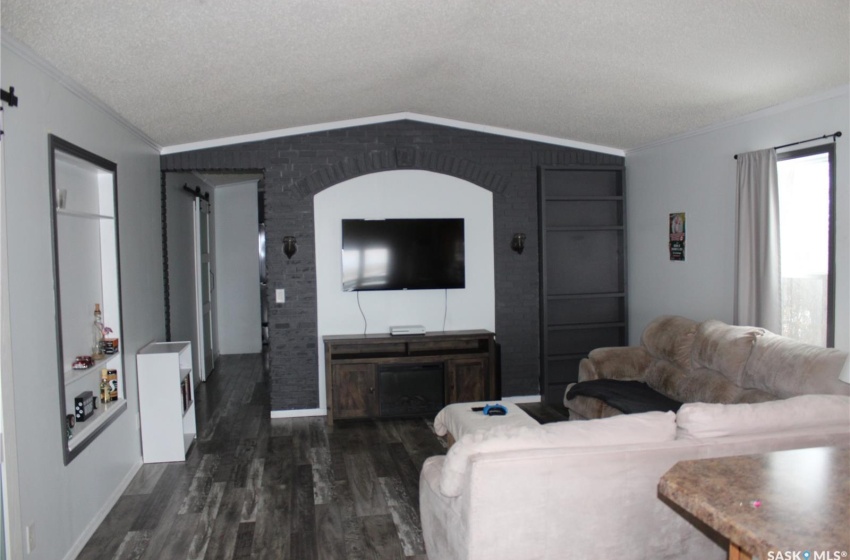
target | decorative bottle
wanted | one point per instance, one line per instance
(97, 334)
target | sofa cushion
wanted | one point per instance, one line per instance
(626, 396)
(788, 368)
(634, 428)
(724, 348)
(666, 377)
(670, 337)
(704, 420)
(708, 386)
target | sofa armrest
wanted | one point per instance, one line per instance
(621, 362)
(624, 362)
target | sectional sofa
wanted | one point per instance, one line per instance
(588, 489)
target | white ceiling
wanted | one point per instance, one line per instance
(614, 73)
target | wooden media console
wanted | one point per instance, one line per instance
(375, 375)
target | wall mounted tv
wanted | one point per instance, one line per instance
(403, 254)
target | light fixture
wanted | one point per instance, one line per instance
(845, 372)
(518, 243)
(290, 247)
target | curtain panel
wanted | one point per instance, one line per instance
(757, 272)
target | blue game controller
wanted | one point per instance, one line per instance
(495, 410)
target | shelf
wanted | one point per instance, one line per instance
(88, 215)
(86, 260)
(582, 198)
(571, 356)
(586, 296)
(585, 228)
(582, 326)
(167, 420)
(72, 375)
(100, 418)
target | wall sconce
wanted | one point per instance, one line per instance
(518, 243)
(290, 247)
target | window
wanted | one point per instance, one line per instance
(807, 243)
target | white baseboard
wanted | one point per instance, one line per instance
(103, 512)
(523, 399)
(299, 413)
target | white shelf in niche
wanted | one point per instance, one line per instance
(83, 430)
(72, 375)
(78, 214)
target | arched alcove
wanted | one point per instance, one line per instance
(403, 194)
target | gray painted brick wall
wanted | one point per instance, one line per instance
(297, 167)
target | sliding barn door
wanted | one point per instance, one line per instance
(582, 269)
(204, 288)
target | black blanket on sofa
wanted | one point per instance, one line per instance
(626, 396)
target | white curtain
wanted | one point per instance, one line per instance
(757, 282)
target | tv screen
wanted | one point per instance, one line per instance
(403, 254)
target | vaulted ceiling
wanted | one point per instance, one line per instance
(614, 73)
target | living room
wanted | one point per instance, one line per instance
(691, 171)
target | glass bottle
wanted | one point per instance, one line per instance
(97, 334)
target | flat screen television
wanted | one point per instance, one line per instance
(403, 254)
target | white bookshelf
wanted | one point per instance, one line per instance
(166, 401)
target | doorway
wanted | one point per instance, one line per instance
(203, 213)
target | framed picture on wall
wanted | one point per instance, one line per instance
(677, 236)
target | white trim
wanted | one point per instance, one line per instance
(774, 110)
(74, 87)
(392, 117)
(523, 399)
(302, 413)
(102, 513)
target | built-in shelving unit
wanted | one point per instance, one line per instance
(83, 189)
(582, 269)
(166, 401)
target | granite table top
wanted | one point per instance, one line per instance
(770, 504)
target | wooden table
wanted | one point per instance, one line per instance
(771, 504)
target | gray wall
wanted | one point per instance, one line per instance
(64, 504)
(696, 174)
(297, 167)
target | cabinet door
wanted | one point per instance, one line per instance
(354, 391)
(467, 380)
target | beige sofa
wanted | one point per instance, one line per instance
(711, 362)
(589, 489)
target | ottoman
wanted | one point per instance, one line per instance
(456, 420)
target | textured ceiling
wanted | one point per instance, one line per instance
(609, 72)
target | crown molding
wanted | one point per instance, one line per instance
(763, 113)
(379, 119)
(72, 86)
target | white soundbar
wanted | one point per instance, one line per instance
(407, 329)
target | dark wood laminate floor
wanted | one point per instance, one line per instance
(257, 488)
